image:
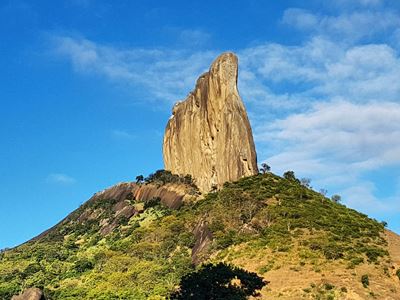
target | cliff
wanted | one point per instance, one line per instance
(208, 135)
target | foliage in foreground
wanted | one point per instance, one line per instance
(148, 255)
(220, 281)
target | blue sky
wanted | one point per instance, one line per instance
(86, 88)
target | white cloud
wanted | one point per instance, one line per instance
(356, 137)
(60, 178)
(361, 197)
(355, 3)
(321, 70)
(352, 26)
(165, 74)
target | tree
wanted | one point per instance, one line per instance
(289, 175)
(221, 281)
(305, 182)
(323, 192)
(265, 168)
(139, 179)
(336, 198)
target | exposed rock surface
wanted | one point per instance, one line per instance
(171, 195)
(30, 294)
(203, 237)
(209, 134)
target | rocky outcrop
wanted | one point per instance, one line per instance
(30, 294)
(203, 239)
(171, 195)
(208, 135)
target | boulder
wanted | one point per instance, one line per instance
(30, 294)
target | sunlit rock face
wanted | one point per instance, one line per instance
(208, 135)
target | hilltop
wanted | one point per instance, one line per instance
(302, 243)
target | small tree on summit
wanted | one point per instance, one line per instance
(139, 179)
(305, 182)
(336, 198)
(323, 192)
(289, 175)
(265, 168)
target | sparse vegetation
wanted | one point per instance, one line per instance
(162, 177)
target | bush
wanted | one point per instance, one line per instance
(83, 265)
(365, 280)
(329, 286)
(398, 273)
(7, 290)
(152, 202)
(162, 177)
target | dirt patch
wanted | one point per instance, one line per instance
(393, 246)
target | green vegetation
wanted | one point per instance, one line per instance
(148, 255)
(265, 168)
(162, 177)
(365, 280)
(219, 281)
(398, 273)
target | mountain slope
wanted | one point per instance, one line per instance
(125, 244)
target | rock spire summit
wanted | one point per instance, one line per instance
(208, 135)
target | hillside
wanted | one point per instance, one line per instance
(136, 241)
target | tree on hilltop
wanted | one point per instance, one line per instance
(336, 198)
(265, 168)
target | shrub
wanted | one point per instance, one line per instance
(365, 280)
(152, 202)
(162, 177)
(123, 220)
(328, 286)
(398, 273)
(83, 265)
(355, 262)
(373, 253)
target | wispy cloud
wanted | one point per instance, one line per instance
(337, 137)
(60, 178)
(122, 134)
(351, 26)
(165, 74)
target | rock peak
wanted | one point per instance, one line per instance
(209, 135)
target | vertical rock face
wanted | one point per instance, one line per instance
(208, 135)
